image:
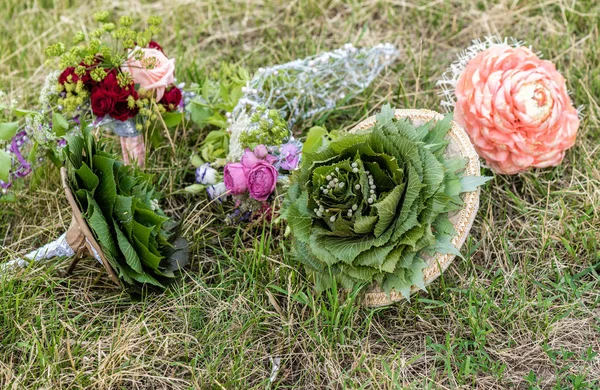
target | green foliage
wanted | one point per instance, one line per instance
(119, 204)
(218, 93)
(368, 205)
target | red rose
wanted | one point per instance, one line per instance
(154, 45)
(171, 99)
(64, 76)
(103, 102)
(121, 111)
(109, 98)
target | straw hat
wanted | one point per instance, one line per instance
(460, 145)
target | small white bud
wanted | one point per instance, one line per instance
(354, 165)
(328, 177)
(332, 218)
(354, 207)
(357, 186)
(370, 200)
(355, 170)
(341, 185)
(325, 191)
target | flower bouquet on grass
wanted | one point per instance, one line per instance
(117, 77)
(116, 218)
(258, 150)
(389, 204)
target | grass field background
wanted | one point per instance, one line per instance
(521, 311)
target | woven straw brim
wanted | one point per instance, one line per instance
(460, 145)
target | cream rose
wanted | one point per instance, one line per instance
(154, 72)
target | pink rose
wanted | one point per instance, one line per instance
(154, 72)
(234, 176)
(261, 151)
(262, 180)
(516, 109)
(249, 159)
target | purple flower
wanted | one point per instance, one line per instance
(205, 174)
(217, 191)
(15, 147)
(290, 156)
(234, 176)
(261, 180)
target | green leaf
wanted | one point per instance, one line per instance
(386, 209)
(147, 256)
(172, 119)
(89, 180)
(397, 281)
(107, 188)
(314, 139)
(5, 166)
(128, 252)
(299, 218)
(59, 124)
(365, 224)
(101, 230)
(470, 183)
(416, 277)
(8, 130)
(374, 257)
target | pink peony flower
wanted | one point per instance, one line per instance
(262, 179)
(261, 151)
(516, 109)
(249, 159)
(234, 176)
(154, 72)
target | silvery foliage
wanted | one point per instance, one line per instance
(303, 88)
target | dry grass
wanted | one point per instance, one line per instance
(521, 311)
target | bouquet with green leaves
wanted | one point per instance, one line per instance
(120, 205)
(367, 207)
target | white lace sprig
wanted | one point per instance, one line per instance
(452, 74)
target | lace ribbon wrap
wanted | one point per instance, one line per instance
(57, 248)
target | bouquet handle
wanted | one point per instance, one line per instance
(133, 146)
(134, 150)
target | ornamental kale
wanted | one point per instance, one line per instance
(367, 206)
